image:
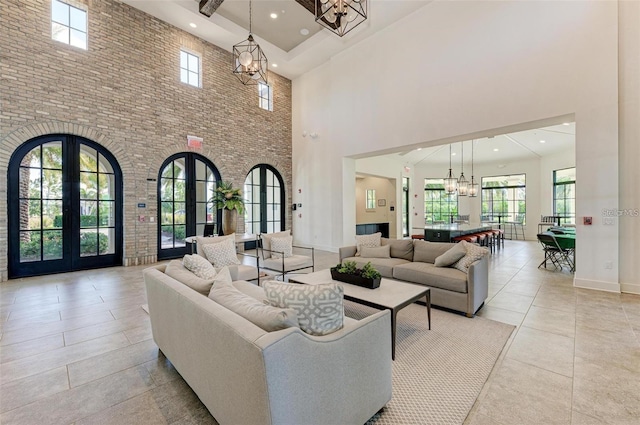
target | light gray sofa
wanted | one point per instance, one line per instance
(245, 375)
(413, 261)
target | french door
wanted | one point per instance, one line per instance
(185, 186)
(65, 206)
(264, 200)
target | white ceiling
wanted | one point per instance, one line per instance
(510, 147)
(280, 39)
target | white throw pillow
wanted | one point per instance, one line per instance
(282, 244)
(370, 241)
(221, 254)
(474, 253)
(320, 308)
(223, 276)
(179, 272)
(452, 256)
(377, 252)
(202, 241)
(199, 266)
(265, 239)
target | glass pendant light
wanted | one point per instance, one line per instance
(450, 182)
(463, 184)
(250, 64)
(473, 186)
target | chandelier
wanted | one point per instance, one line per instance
(473, 186)
(463, 185)
(341, 16)
(450, 182)
(249, 62)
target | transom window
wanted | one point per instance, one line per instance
(265, 96)
(68, 24)
(189, 68)
(505, 196)
(438, 205)
(564, 195)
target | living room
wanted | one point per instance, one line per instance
(482, 68)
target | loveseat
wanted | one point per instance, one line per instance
(246, 375)
(413, 261)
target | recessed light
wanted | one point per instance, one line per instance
(419, 149)
(543, 141)
(496, 149)
(566, 123)
(453, 154)
(275, 65)
(274, 15)
(192, 25)
(304, 31)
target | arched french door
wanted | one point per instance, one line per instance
(264, 200)
(185, 185)
(65, 206)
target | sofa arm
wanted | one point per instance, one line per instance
(346, 252)
(478, 285)
(349, 370)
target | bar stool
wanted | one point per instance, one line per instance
(482, 238)
(468, 238)
(417, 236)
(498, 234)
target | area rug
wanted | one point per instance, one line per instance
(438, 373)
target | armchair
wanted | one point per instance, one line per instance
(284, 262)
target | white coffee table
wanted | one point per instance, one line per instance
(392, 295)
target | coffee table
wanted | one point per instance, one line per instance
(392, 295)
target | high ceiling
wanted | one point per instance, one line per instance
(280, 38)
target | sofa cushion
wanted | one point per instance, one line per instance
(319, 307)
(295, 262)
(383, 265)
(428, 274)
(179, 272)
(451, 256)
(427, 252)
(267, 317)
(370, 241)
(282, 245)
(400, 248)
(377, 252)
(199, 266)
(265, 238)
(222, 254)
(251, 289)
(202, 241)
(474, 253)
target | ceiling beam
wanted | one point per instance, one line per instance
(310, 5)
(208, 7)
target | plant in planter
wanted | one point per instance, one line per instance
(349, 272)
(230, 201)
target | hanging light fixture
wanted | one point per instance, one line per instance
(341, 16)
(249, 62)
(473, 186)
(463, 184)
(450, 182)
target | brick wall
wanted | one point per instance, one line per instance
(125, 93)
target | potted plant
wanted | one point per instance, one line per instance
(349, 272)
(230, 201)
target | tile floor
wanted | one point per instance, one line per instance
(76, 348)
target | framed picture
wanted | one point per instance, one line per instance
(382, 202)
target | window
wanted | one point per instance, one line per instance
(189, 68)
(265, 96)
(371, 199)
(504, 196)
(263, 200)
(438, 206)
(68, 24)
(564, 195)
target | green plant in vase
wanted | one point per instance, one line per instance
(230, 201)
(370, 272)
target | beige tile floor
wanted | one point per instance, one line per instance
(76, 348)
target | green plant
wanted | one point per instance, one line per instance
(370, 272)
(226, 197)
(348, 267)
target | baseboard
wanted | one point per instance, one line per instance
(630, 288)
(599, 285)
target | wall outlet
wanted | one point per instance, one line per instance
(608, 265)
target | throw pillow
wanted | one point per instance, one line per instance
(202, 241)
(370, 241)
(176, 270)
(451, 256)
(223, 276)
(400, 248)
(319, 307)
(427, 252)
(284, 245)
(265, 316)
(199, 266)
(377, 252)
(221, 254)
(474, 253)
(265, 239)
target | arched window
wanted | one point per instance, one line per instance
(264, 200)
(65, 209)
(185, 185)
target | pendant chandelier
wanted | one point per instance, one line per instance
(463, 184)
(341, 16)
(450, 182)
(473, 186)
(249, 62)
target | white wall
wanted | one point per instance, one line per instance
(457, 68)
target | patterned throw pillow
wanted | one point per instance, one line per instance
(199, 266)
(221, 254)
(284, 245)
(370, 241)
(474, 253)
(320, 308)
